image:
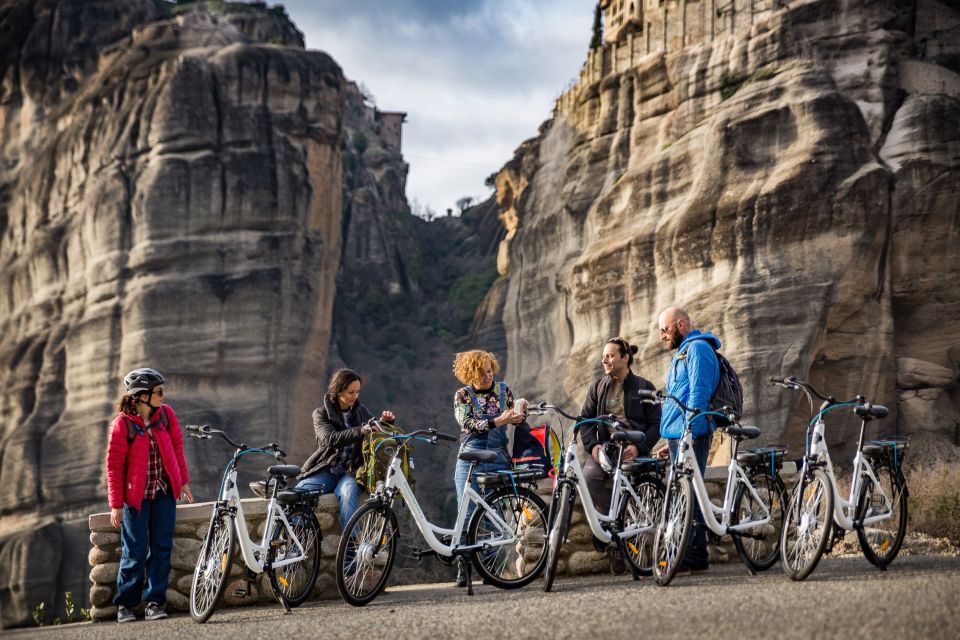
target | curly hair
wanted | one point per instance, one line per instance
(469, 366)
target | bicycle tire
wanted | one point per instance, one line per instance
(673, 533)
(802, 544)
(511, 566)
(639, 548)
(560, 525)
(881, 542)
(293, 583)
(760, 554)
(366, 553)
(213, 567)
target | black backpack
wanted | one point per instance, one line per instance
(729, 392)
(134, 429)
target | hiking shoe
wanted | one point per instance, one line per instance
(125, 615)
(154, 611)
(461, 577)
(617, 564)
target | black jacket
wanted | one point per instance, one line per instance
(640, 416)
(332, 436)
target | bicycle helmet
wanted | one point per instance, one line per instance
(608, 457)
(140, 380)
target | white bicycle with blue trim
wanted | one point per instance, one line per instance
(877, 505)
(290, 549)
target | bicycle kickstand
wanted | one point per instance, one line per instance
(463, 564)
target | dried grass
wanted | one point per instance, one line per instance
(934, 500)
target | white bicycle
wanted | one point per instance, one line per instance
(876, 507)
(753, 501)
(290, 549)
(504, 540)
(637, 494)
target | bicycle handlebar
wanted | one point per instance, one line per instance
(862, 408)
(608, 419)
(659, 397)
(205, 432)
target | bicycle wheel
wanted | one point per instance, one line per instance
(560, 514)
(673, 533)
(509, 566)
(761, 553)
(806, 527)
(213, 568)
(641, 512)
(366, 552)
(881, 540)
(292, 583)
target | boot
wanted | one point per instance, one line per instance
(461, 576)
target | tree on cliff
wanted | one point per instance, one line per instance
(597, 39)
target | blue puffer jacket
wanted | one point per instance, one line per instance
(693, 377)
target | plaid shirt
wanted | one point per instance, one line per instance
(156, 478)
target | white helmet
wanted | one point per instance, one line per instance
(608, 457)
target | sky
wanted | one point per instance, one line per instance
(475, 77)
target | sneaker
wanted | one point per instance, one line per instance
(125, 615)
(154, 611)
(617, 564)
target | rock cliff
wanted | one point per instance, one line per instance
(794, 185)
(171, 196)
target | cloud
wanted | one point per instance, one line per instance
(475, 77)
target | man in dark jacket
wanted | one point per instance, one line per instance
(616, 394)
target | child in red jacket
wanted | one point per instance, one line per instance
(146, 475)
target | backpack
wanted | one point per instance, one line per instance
(376, 457)
(134, 429)
(532, 446)
(729, 391)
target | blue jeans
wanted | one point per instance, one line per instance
(477, 443)
(146, 540)
(696, 556)
(343, 485)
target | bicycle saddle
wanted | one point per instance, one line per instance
(284, 470)
(871, 411)
(747, 433)
(478, 456)
(635, 437)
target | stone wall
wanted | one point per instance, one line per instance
(192, 523)
(578, 556)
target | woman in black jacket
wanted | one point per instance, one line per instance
(340, 425)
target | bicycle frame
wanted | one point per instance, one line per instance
(818, 455)
(686, 464)
(396, 483)
(572, 470)
(254, 555)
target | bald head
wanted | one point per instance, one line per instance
(674, 324)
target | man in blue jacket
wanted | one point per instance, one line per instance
(693, 377)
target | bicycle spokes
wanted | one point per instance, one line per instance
(367, 552)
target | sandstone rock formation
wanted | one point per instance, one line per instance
(171, 196)
(793, 185)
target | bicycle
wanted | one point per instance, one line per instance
(753, 501)
(634, 504)
(504, 539)
(876, 507)
(290, 549)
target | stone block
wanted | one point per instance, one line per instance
(328, 504)
(104, 538)
(326, 587)
(587, 562)
(187, 530)
(183, 584)
(185, 552)
(328, 548)
(231, 598)
(101, 595)
(105, 573)
(101, 555)
(103, 614)
(580, 534)
(328, 522)
(177, 601)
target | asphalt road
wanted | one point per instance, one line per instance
(918, 597)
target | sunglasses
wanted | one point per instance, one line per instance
(667, 328)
